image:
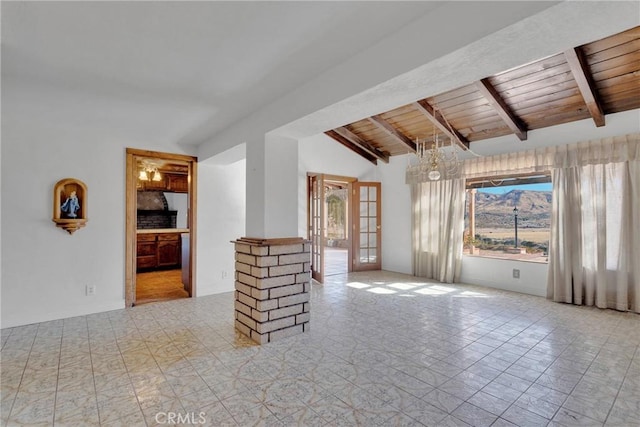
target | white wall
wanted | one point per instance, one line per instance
(322, 154)
(271, 187)
(221, 219)
(396, 216)
(498, 273)
(178, 202)
(44, 269)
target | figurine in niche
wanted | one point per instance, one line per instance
(71, 205)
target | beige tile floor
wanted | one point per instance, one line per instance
(384, 350)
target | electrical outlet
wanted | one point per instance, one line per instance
(516, 273)
(91, 290)
(224, 274)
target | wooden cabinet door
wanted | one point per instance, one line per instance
(168, 250)
(146, 254)
(156, 185)
(178, 183)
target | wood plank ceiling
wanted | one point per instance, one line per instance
(589, 81)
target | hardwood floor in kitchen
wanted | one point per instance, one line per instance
(154, 286)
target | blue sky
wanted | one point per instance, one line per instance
(503, 190)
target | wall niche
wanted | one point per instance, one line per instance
(70, 204)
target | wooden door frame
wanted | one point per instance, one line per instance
(315, 184)
(356, 226)
(132, 155)
(350, 224)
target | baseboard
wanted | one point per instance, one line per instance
(39, 317)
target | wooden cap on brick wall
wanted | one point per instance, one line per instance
(270, 242)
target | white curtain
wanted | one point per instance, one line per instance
(608, 150)
(438, 224)
(594, 253)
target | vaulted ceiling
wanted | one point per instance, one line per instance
(176, 71)
(588, 81)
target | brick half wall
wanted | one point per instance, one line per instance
(273, 280)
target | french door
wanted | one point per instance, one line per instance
(367, 254)
(315, 221)
(363, 218)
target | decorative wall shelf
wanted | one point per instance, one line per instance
(70, 204)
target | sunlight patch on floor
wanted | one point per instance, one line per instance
(430, 291)
(402, 286)
(413, 289)
(443, 288)
(382, 291)
(358, 285)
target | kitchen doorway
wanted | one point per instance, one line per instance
(160, 226)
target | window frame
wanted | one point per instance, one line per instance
(505, 180)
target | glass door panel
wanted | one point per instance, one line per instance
(316, 225)
(368, 234)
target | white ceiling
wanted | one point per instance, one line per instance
(177, 70)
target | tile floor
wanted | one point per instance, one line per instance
(335, 261)
(384, 350)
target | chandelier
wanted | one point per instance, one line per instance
(432, 163)
(149, 171)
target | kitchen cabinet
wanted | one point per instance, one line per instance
(171, 182)
(147, 250)
(161, 250)
(177, 183)
(155, 185)
(169, 250)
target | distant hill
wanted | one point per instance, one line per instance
(496, 210)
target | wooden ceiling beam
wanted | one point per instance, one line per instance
(495, 100)
(438, 120)
(364, 145)
(393, 132)
(351, 146)
(580, 70)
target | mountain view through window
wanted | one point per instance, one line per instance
(494, 234)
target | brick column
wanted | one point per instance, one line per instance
(272, 287)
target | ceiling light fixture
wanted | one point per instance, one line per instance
(149, 172)
(433, 163)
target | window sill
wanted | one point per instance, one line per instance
(512, 257)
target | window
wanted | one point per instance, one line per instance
(508, 217)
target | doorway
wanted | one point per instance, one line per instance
(337, 242)
(160, 226)
(367, 241)
(343, 220)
